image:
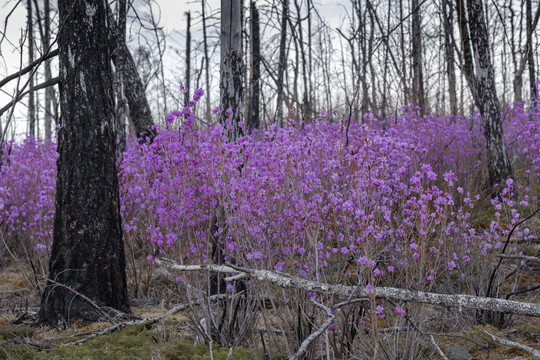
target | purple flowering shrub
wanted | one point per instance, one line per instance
(27, 189)
(381, 205)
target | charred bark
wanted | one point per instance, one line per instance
(87, 251)
(231, 69)
(139, 110)
(467, 67)
(530, 54)
(499, 167)
(253, 120)
(282, 61)
(418, 76)
(449, 52)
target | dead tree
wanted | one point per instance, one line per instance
(253, 120)
(416, 54)
(121, 101)
(188, 58)
(231, 69)
(448, 20)
(282, 62)
(87, 255)
(499, 167)
(30, 42)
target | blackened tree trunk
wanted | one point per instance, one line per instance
(206, 64)
(418, 77)
(499, 167)
(188, 58)
(253, 120)
(139, 110)
(449, 52)
(231, 69)
(121, 102)
(282, 61)
(49, 91)
(31, 99)
(87, 251)
(467, 67)
(530, 54)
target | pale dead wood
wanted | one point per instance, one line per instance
(299, 354)
(289, 281)
(532, 259)
(530, 350)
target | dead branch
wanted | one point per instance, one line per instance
(90, 301)
(514, 344)
(146, 322)
(314, 335)
(532, 259)
(289, 281)
(43, 85)
(28, 68)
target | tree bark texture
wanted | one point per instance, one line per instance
(206, 65)
(121, 102)
(290, 281)
(418, 77)
(449, 52)
(530, 54)
(139, 110)
(467, 67)
(282, 61)
(231, 69)
(188, 58)
(49, 92)
(30, 43)
(253, 120)
(87, 251)
(499, 167)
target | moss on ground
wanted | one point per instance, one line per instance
(134, 342)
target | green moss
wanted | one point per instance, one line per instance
(130, 343)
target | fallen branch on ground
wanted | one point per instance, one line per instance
(530, 350)
(532, 259)
(289, 281)
(146, 322)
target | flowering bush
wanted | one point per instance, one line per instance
(370, 204)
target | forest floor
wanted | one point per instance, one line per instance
(174, 337)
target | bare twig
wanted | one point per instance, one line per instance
(88, 300)
(147, 322)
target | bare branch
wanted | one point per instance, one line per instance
(514, 344)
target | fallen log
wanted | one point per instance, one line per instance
(289, 281)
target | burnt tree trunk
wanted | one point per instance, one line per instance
(449, 54)
(530, 54)
(31, 99)
(206, 65)
(282, 61)
(139, 110)
(188, 58)
(467, 67)
(87, 251)
(418, 77)
(253, 120)
(499, 167)
(231, 69)
(49, 91)
(121, 102)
